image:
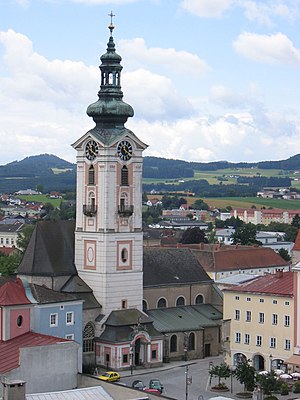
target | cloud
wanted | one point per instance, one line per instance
(137, 54)
(268, 49)
(207, 8)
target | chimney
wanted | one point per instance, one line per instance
(14, 390)
(279, 273)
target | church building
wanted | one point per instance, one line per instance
(106, 270)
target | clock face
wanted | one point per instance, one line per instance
(124, 150)
(91, 149)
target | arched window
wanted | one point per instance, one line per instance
(180, 301)
(124, 255)
(161, 303)
(199, 299)
(88, 338)
(191, 345)
(124, 176)
(173, 344)
(91, 178)
(145, 305)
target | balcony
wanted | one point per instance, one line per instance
(125, 211)
(90, 210)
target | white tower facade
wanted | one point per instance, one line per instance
(108, 235)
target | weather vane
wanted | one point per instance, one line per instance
(111, 26)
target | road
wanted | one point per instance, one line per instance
(173, 377)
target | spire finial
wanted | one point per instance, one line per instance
(111, 25)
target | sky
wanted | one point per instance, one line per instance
(208, 80)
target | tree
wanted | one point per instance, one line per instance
(296, 221)
(269, 383)
(284, 254)
(245, 374)
(8, 264)
(199, 204)
(245, 235)
(193, 235)
(24, 237)
(220, 371)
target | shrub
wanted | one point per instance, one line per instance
(284, 390)
(296, 388)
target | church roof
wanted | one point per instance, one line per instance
(172, 266)
(50, 251)
(121, 325)
(45, 295)
(185, 318)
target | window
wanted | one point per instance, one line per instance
(287, 344)
(124, 255)
(91, 177)
(7, 241)
(199, 299)
(287, 320)
(237, 297)
(258, 340)
(70, 336)
(161, 303)
(124, 176)
(274, 319)
(248, 316)
(248, 299)
(70, 318)
(273, 342)
(286, 303)
(173, 344)
(274, 301)
(247, 338)
(180, 301)
(261, 318)
(2, 241)
(237, 337)
(53, 319)
(145, 305)
(88, 338)
(191, 345)
(124, 304)
(154, 354)
(125, 358)
(19, 320)
(237, 315)
(261, 300)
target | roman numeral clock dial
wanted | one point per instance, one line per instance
(124, 150)
(91, 150)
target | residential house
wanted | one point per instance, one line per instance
(9, 234)
(45, 362)
(259, 321)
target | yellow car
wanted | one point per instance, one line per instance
(110, 376)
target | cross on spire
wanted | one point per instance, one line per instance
(111, 25)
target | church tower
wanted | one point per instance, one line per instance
(108, 234)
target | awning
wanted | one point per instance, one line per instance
(294, 360)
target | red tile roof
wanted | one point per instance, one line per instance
(241, 257)
(13, 293)
(10, 349)
(8, 250)
(296, 246)
(280, 284)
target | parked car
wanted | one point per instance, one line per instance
(110, 376)
(154, 391)
(138, 385)
(156, 384)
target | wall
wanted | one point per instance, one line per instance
(47, 368)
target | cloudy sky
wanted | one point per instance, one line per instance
(208, 79)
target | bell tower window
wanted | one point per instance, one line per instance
(124, 176)
(91, 177)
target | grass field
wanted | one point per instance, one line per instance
(42, 198)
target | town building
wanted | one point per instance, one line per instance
(259, 321)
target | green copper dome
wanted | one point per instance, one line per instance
(110, 110)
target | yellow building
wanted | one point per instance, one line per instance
(259, 321)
